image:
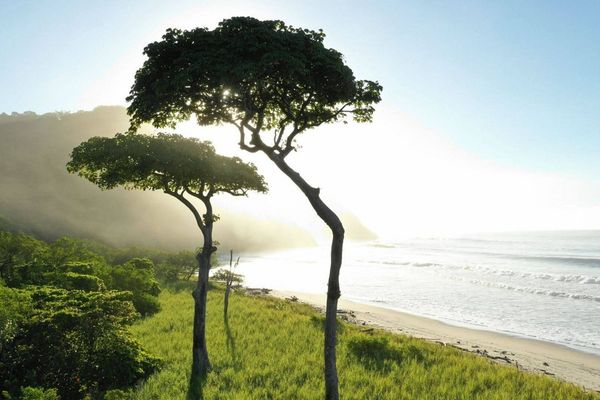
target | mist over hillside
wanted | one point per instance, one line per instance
(37, 195)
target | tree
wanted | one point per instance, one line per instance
(230, 279)
(182, 168)
(272, 82)
(136, 276)
(177, 266)
(18, 252)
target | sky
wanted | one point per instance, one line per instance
(490, 118)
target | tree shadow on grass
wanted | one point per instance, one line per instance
(184, 286)
(377, 353)
(230, 341)
(318, 321)
(195, 388)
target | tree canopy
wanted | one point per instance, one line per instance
(257, 75)
(172, 163)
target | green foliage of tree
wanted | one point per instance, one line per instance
(34, 393)
(14, 311)
(66, 250)
(264, 73)
(63, 328)
(17, 252)
(74, 264)
(136, 276)
(79, 267)
(75, 281)
(225, 275)
(117, 394)
(181, 265)
(74, 341)
(272, 82)
(184, 168)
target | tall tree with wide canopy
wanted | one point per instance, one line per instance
(272, 82)
(184, 168)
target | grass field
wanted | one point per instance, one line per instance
(272, 349)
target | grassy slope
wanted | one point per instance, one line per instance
(271, 349)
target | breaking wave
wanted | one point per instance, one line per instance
(544, 292)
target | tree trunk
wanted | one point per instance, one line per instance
(228, 283)
(333, 286)
(200, 361)
(226, 300)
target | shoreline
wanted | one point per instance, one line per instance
(531, 355)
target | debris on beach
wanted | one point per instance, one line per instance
(257, 291)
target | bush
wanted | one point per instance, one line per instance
(76, 342)
(136, 276)
(117, 394)
(34, 393)
(79, 267)
(146, 304)
(168, 273)
(17, 251)
(15, 310)
(177, 266)
(75, 281)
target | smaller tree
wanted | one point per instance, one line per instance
(183, 168)
(136, 276)
(230, 279)
(19, 252)
(181, 265)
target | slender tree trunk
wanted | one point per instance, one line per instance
(228, 283)
(200, 361)
(333, 286)
(226, 302)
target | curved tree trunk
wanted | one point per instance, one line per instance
(333, 285)
(200, 361)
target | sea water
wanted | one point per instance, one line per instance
(543, 285)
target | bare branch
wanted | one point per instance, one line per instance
(234, 192)
(190, 206)
(242, 143)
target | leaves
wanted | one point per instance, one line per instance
(167, 162)
(258, 75)
(72, 340)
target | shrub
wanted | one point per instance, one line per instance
(117, 394)
(79, 267)
(136, 276)
(75, 281)
(146, 304)
(76, 342)
(34, 393)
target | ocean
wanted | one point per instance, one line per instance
(542, 285)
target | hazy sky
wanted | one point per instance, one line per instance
(490, 116)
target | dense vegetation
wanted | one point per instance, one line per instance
(66, 306)
(69, 328)
(271, 349)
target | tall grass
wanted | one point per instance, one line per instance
(272, 349)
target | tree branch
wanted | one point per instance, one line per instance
(190, 206)
(242, 143)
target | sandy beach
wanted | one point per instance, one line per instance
(528, 354)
